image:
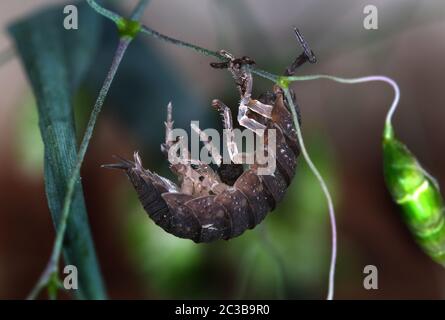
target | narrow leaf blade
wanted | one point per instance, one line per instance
(55, 60)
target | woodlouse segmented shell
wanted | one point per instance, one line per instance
(240, 207)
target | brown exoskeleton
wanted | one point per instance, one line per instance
(208, 205)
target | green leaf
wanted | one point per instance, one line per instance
(56, 60)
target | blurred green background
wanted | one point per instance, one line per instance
(287, 256)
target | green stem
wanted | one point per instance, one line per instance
(203, 51)
(105, 12)
(44, 279)
(51, 270)
(325, 189)
(139, 10)
(180, 43)
(151, 32)
(52, 266)
(122, 47)
(388, 132)
(265, 74)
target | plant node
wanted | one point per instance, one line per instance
(128, 28)
(283, 82)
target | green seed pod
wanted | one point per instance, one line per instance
(417, 193)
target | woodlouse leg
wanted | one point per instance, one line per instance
(181, 169)
(243, 78)
(208, 178)
(201, 180)
(175, 144)
(263, 109)
(227, 55)
(168, 130)
(236, 156)
(226, 116)
(249, 123)
(214, 152)
(228, 172)
(225, 113)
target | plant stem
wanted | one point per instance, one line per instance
(387, 80)
(203, 51)
(139, 10)
(388, 132)
(51, 269)
(180, 43)
(105, 12)
(122, 47)
(325, 189)
(151, 32)
(52, 266)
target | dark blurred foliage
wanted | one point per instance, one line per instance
(146, 82)
(288, 255)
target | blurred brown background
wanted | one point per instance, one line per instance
(342, 125)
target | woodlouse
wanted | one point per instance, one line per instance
(208, 205)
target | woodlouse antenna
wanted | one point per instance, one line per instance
(305, 46)
(306, 56)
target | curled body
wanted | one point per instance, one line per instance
(209, 204)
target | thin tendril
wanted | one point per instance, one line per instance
(325, 189)
(392, 109)
(388, 133)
